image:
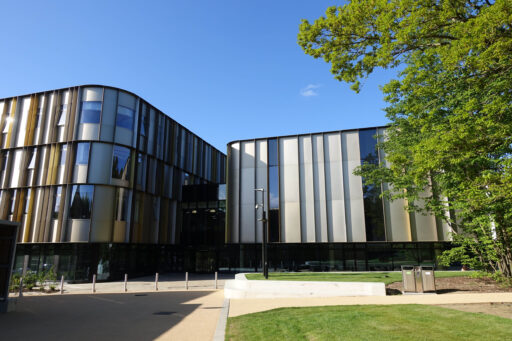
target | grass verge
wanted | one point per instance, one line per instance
(385, 277)
(368, 322)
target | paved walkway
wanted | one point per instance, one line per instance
(246, 306)
(166, 282)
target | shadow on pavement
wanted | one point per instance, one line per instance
(136, 316)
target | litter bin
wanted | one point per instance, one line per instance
(408, 278)
(428, 279)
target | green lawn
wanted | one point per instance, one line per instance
(368, 322)
(386, 277)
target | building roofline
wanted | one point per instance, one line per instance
(113, 88)
(306, 134)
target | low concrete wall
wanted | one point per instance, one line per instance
(240, 287)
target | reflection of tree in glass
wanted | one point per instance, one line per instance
(374, 215)
(81, 204)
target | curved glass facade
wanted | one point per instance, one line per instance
(97, 164)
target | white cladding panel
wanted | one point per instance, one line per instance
(319, 188)
(307, 194)
(22, 124)
(334, 188)
(353, 188)
(398, 224)
(100, 163)
(261, 182)
(108, 115)
(233, 191)
(425, 227)
(92, 94)
(247, 193)
(79, 230)
(289, 194)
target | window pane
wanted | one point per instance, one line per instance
(91, 111)
(272, 152)
(27, 200)
(56, 202)
(373, 209)
(124, 118)
(62, 114)
(32, 160)
(63, 154)
(81, 202)
(121, 163)
(82, 153)
(121, 208)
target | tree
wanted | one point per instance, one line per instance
(449, 143)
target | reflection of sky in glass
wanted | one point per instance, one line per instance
(273, 186)
(222, 192)
(82, 153)
(121, 157)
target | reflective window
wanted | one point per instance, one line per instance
(82, 153)
(124, 118)
(63, 153)
(373, 207)
(56, 202)
(81, 202)
(12, 202)
(27, 200)
(63, 111)
(272, 152)
(121, 209)
(273, 190)
(91, 112)
(32, 159)
(121, 163)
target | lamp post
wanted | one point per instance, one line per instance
(263, 219)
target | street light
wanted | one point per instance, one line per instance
(263, 219)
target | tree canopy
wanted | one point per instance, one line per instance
(449, 143)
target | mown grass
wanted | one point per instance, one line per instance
(368, 322)
(385, 277)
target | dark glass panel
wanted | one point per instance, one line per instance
(373, 210)
(56, 202)
(272, 152)
(81, 202)
(91, 112)
(124, 118)
(121, 163)
(273, 187)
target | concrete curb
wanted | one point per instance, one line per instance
(220, 331)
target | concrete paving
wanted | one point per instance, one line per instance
(246, 306)
(185, 315)
(166, 282)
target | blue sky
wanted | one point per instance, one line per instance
(225, 69)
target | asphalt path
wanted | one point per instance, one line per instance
(129, 316)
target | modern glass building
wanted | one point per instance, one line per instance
(104, 183)
(95, 165)
(316, 204)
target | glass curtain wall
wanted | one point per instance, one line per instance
(373, 206)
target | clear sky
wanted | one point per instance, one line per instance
(225, 69)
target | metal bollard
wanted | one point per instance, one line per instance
(186, 280)
(156, 281)
(125, 282)
(93, 284)
(61, 285)
(21, 287)
(215, 280)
